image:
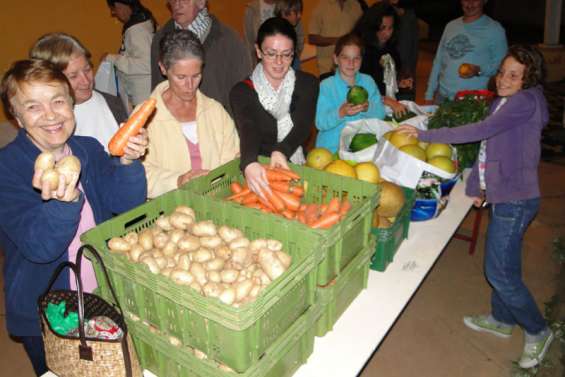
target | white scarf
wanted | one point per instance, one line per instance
(389, 75)
(277, 103)
(201, 25)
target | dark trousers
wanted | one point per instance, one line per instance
(33, 346)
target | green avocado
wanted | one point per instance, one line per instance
(362, 141)
(357, 95)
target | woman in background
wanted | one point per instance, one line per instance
(133, 62)
(291, 10)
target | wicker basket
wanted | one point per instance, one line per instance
(69, 356)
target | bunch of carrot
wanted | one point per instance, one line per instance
(285, 200)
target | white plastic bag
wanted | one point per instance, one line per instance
(369, 126)
(399, 167)
(105, 79)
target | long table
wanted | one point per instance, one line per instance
(345, 350)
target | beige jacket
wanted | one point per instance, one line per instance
(167, 154)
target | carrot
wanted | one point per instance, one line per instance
(250, 199)
(311, 213)
(290, 201)
(302, 207)
(131, 128)
(255, 205)
(288, 214)
(235, 188)
(268, 206)
(301, 217)
(275, 200)
(345, 207)
(297, 190)
(287, 172)
(280, 186)
(240, 194)
(327, 220)
(274, 176)
(333, 205)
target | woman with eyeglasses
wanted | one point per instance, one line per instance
(274, 109)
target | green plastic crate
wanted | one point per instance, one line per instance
(389, 239)
(336, 297)
(235, 336)
(342, 242)
(282, 359)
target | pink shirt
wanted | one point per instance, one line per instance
(195, 157)
(86, 222)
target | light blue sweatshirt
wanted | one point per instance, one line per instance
(481, 42)
(333, 93)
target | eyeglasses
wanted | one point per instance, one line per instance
(272, 55)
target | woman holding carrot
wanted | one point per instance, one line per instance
(190, 133)
(40, 227)
(274, 108)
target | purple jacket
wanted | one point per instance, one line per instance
(513, 136)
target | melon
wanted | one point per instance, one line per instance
(400, 139)
(341, 167)
(391, 199)
(414, 151)
(319, 158)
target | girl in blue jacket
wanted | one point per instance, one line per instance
(333, 111)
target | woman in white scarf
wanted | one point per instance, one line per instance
(274, 109)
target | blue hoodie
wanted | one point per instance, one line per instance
(333, 93)
(35, 234)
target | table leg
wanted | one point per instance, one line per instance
(475, 233)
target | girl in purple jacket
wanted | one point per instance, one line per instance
(506, 175)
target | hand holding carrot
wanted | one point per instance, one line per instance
(135, 148)
(256, 179)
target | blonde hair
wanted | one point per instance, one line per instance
(59, 49)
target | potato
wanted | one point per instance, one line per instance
(182, 277)
(227, 296)
(212, 289)
(164, 223)
(241, 257)
(180, 220)
(260, 277)
(194, 285)
(183, 261)
(225, 368)
(223, 252)
(258, 244)
(160, 240)
(145, 239)
(229, 276)
(204, 228)
(135, 252)
(161, 262)
(166, 272)
(176, 235)
(186, 210)
(285, 259)
(214, 276)
(152, 265)
(211, 242)
(175, 341)
(229, 234)
(274, 245)
(169, 249)
(156, 253)
(239, 242)
(171, 261)
(67, 167)
(255, 290)
(131, 238)
(45, 160)
(118, 244)
(189, 243)
(269, 262)
(51, 177)
(199, 273)
(242, 289)
(215, 264)
(202, 255)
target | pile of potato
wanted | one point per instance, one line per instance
(216, 262)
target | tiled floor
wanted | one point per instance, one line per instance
(429, 339)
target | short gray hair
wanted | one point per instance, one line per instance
(178, 45)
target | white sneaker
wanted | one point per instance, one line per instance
(534, 352)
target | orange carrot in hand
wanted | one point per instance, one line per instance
(119, 141)
(327, 220)
(275, 200)
(289, 173)
(274, 176)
